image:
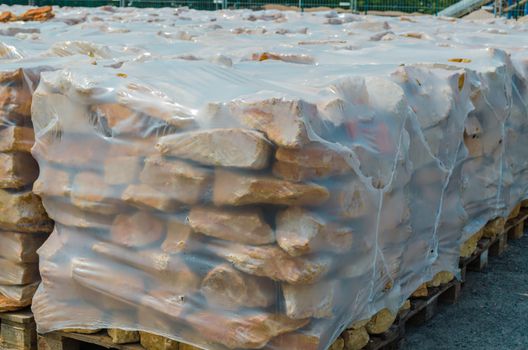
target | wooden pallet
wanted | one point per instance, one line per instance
(18, 330)
(76, 341)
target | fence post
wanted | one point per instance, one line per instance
(366, 6)
(121, 3)
(31, 2)
(301, 5)
(436, 7)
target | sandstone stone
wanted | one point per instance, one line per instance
(356, 339)
(91, 193)
(248, 331)
(20, 247)
(349, 199)
(313, 161)
(156, 342)
(72, 151)
(314, 300)
(122, 170)
(136, 230)
(380, 322)
(108, 288)
(18, 273)
(359, 324)
(440, 278)
(299, 340)
(119, 118)
(230, 289)
(15, 103)
(179, 236)
(17, 170)
(23, 212)
(145, 197)
(240, 225)
(120, 336)
(302, 232)
(239, 148)
(272, 262)
(40, 14)
(338, 344)
(231, 188)
(8, 304)
(283, 122)
(187, 347)
(470, 245)
(67, 214)
(182, 181)
(168, 269)
(421, 291)
(18, 295)
(493, 228)
(52, 182)
(473, 145)
(16, 139)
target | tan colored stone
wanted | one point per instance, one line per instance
(239, 225)
(248, 331)
(16, 139)
(349, 199)
(283, 122)
(121, 170)
(91, 193)
(440, 278)
(120, 336)
(136, 230)
(52, 182)
(20, 247)
(299, 340)
(156, 342)
(8, 304)
(272, 262)
(380, 322)
(494, 227)
(16, 102)
(470, 245)
(72, 151)
(178, 238)
(231, 188)
(181, 181)
(314, 300)
(313, 161)
(166, 268)
(14, 273)
(338, 344)
(240, 148)
(145, 197)
(69, 215)
(358, 324)
(230, 289)
(187, 347)
(356, 339)
(17, 170)
(119, 118)
(421, 291)
(473, 145)
(301, 232)
(23, 212)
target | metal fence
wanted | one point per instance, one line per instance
(363, 6)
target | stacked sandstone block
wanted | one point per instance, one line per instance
(24, 224)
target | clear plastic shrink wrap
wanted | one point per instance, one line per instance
(261, 205)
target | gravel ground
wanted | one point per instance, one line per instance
(492, 312)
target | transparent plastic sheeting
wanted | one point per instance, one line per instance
(250, 180)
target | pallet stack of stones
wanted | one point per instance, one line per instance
(168, 227)
(24, 224)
